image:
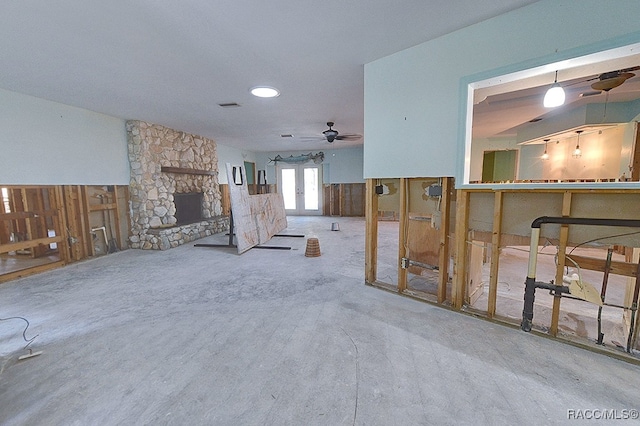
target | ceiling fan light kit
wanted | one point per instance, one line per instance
(330, 134)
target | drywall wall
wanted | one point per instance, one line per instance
(602, 157)
(339, 165)
(45, 142)
(413, 99)
(227, 154)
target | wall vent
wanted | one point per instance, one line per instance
(230, 105)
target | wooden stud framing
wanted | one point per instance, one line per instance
(30, 271)
(341, 201)
(61, 225)
(87, 230)
(564, 237)
(495, 254)
(501, 223)
(4, 228)
(77, 251)
(36, 210)
(460, 257)
(371, 232)
(592, 264)
(116, 217)
(29, 244)
(445, 229)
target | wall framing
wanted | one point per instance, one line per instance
(54, 225)
(501, 217)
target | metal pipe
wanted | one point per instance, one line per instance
(408, 262)
(631, 223)
(634, 310)
(530, 282)
(603, 292)
(104, 232)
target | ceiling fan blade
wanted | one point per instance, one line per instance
(630, 69)
(349, 137)
(608, 84)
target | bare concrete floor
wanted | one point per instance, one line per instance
(204, 336)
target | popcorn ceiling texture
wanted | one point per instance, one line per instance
(153, 221)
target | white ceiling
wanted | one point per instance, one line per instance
(173, 62)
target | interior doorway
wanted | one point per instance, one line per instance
(499, 166)
(300, 186)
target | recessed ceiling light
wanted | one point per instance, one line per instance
(265, 92)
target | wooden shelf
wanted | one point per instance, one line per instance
(187, 171)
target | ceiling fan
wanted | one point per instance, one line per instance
(612, 79)
(331, 135)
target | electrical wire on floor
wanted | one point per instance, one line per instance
(24, 336)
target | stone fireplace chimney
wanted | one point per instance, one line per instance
(164, 163)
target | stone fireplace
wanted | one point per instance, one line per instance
(174, 191)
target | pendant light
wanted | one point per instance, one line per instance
(545, 156)
(555, 95)
(577, 153)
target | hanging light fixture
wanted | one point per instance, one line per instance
(555, 95)
(545, 156)
(577, 153)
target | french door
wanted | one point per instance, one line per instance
(301, 188)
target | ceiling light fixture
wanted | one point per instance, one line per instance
(265, 92)
(555, 95)
(545, 156)
(577, 153)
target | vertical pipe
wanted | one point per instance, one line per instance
(634, 309)
(530, 282)
(603, 292)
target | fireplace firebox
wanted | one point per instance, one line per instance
(188, 207)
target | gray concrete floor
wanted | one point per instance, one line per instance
(205, 336)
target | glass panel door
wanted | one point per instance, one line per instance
(288, 188)
(311, 188)
(300, 186)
